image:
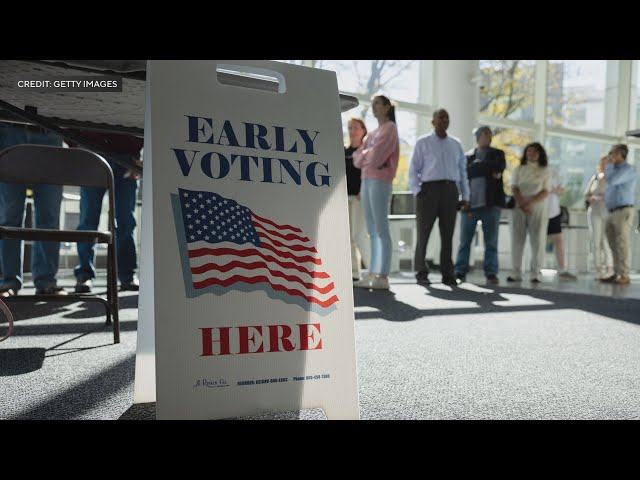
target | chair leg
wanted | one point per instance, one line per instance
(113, 293)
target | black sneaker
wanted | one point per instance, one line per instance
(132, 286)
(492, 279)
(422, 278)
(451, 281)
(461, 276)
(84, 286)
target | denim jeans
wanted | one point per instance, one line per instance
(90, 209)
(376, 199)
(46, 202)
(490, 218)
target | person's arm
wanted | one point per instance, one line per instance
(515, 190)
(587, 192)
(557, 184)
(463, 182)
(541, 195)
(415, 169)
(386, 143)
(494, 164)
(618, 176)
(358, 156)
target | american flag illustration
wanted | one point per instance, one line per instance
(232, 248)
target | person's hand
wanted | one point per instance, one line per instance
(464, 205)
(134, 175)
(496, 175)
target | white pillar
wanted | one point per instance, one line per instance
(457, 91)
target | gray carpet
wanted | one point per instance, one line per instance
(432, 352)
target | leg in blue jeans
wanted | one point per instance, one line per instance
(468, 222)
(47, 200)
(46, 255)
(12, 203)
(125, 201)
(90, 208)
(376, 198)
(490, 229)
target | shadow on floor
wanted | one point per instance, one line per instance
(411, 301)
(18, 361)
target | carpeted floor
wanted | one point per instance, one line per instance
(436, 352)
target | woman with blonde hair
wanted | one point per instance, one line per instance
(597, 213)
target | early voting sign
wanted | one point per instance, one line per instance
(246, 278)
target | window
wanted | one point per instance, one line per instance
(576, 94)
(507, 88)
(635, 96)
(577, 161)
(397, 79)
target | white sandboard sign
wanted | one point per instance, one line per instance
(245, 264)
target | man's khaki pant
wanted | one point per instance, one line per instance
(618, 229)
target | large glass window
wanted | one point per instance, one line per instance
(577, 161)
(507, 88)
(576, 94)
(397, 79)
(635, 96)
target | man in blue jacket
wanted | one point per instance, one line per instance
(485, 165)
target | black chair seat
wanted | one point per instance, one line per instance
(48, 235)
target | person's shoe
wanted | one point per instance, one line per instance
(609, 279)
(131, 286)
(461, 276)
(364, 283)
(8, 292)
(84, 286)
(379, 283)
(622, 280)
(535, 280)
(422, 278)
(355, 279)
(567, 276)
(51, 290)
(451, 281)
(492, 278)
(514, 279)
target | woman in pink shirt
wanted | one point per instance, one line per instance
(378, 159)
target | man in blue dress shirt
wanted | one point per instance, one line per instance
(619, 198)
(438, 180)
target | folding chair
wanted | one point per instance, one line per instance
(38, 164)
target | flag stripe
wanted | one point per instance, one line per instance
(280, 253)
(273, 224)
(262, 279)
(200, 252)
(295, 248)
(260, 265)
(288, 236)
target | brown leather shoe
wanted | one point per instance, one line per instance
(622, 280)
(609, 279)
